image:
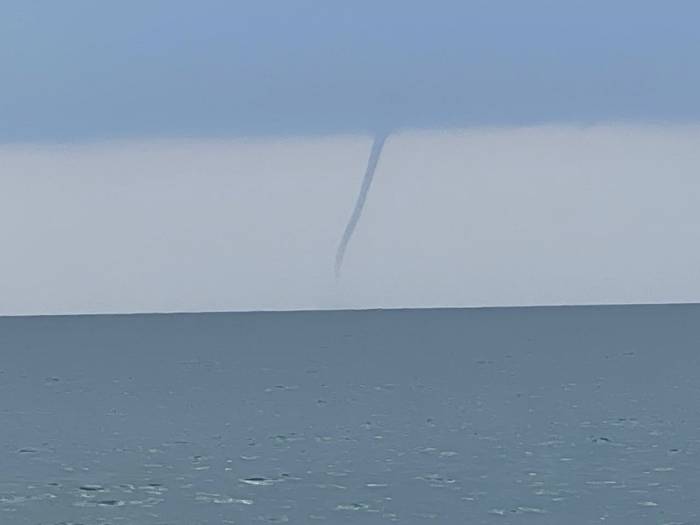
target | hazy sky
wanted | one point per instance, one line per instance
(178, 155)
(80, 69)
(500, 216)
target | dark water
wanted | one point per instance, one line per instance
(535, 415)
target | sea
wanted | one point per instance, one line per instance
(543, 415)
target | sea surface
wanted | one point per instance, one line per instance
(575, 415)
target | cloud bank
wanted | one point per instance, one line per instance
(479, 217)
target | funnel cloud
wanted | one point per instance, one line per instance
(375, 153)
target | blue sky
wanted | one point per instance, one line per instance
(85, 70)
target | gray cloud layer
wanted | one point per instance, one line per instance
(80, 70)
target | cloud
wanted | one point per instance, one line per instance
(490, 216)
(375, 154)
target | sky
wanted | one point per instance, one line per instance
(189, 156)
(482, 217)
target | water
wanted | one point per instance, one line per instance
(522, 415)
